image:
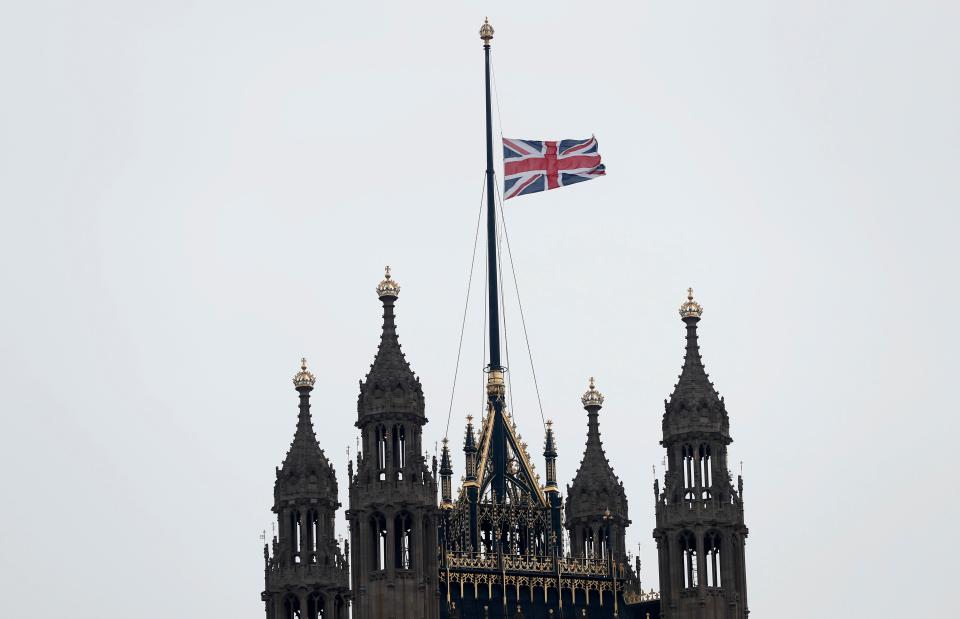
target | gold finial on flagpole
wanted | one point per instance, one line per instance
(486, 31)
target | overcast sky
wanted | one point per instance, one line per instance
(196, 194)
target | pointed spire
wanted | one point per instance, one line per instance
(391, 385)
(595, 488)
(446, 467)
(549, 444)
(470, 439)
(446, 470)
(470, 451)
(694, 398)
(305, 456)
(550, 455)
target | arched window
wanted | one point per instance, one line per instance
(296, 535)
(316, 526)
(291, 607)
(486, 537)
(588, 547)
(403, 541)
(399, 447)
(315, 606)
(604, 543)
(310, 534)
(688, 468)
(539, 539)
(711, 550)
(378, 539)
(380, 435)
(688, 549)
(706, 469)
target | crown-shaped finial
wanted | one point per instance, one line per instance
(690, 308)
(388, 287)
(486, 31)
(592, 397)
(304, 378)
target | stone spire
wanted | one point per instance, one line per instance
(306, 572)
(390, 386)
(700, 528)
(596, 507)
(694, 405)
(595, 488)
(305, 459)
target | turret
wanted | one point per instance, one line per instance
(700, 529)
(305, 552)
(393, 496)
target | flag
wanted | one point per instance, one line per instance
(537, 165)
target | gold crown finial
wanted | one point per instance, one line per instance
(388, 287)
(690, 308)
(304, 378)
(486, 31)
(592, 397)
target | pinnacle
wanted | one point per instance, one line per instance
(595, 481)
(391, 385)
(305, 464)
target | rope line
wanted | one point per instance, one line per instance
(503, 313)
(463, 324)
(523, 320)
(496, 94)
(483, 339)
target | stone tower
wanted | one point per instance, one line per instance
(700, 530)
(596, 509)
(393, 495)
(307, 577)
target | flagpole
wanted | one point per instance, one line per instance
(486, 33)
(495, 380)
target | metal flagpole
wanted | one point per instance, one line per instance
(486, 33)
(495, 379)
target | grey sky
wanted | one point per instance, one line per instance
(195, 194)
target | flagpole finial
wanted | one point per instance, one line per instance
(486, 31)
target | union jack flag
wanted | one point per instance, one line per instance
(538, 165)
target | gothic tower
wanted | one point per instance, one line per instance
(596, 509)
(306, 577)
(393, 495)
(700, 531)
